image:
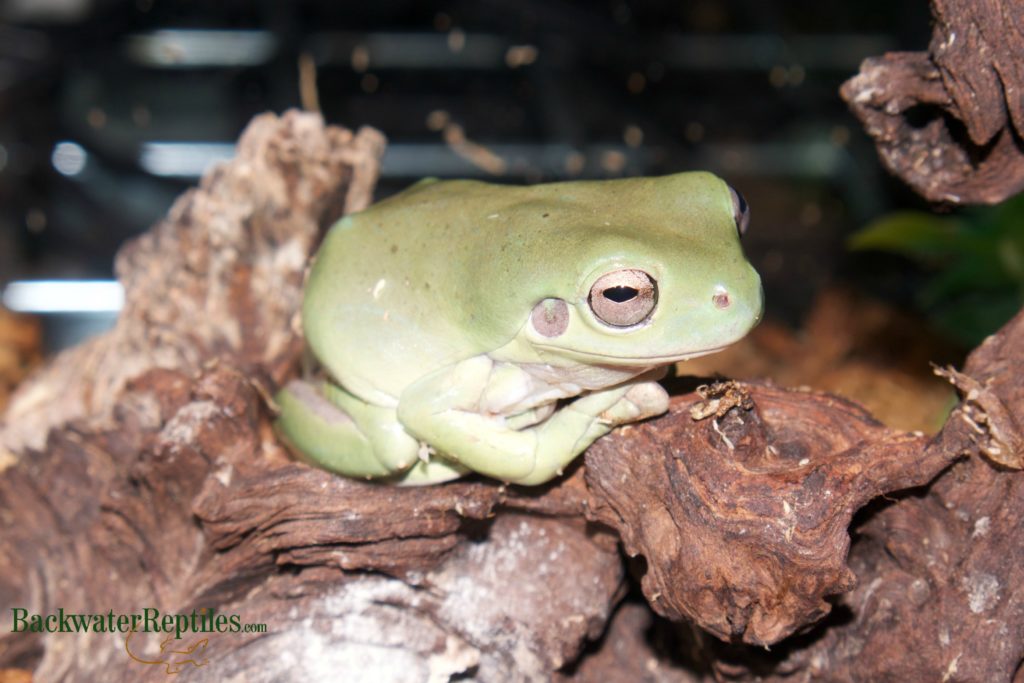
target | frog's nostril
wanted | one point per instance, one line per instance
(721, 298)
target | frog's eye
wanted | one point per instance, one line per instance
(741, 212)
(623, 298)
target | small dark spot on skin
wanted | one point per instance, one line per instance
(545, 215)
(721, 300)
(394, 248)
(426, 285)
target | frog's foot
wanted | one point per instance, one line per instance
(442, 409)
(341, 433)
(641, 401)
(435, 470)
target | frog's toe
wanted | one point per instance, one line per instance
(640, 402)
(650, 398)
(435, 470)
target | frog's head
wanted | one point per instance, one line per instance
(660, 277)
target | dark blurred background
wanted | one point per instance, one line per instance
(110, 109)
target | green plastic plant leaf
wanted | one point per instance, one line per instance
(914, 234)
(976, 260)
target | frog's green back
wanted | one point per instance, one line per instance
(451, 269)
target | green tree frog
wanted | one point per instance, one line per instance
(456, 320)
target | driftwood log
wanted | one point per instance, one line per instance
(950, 121)
(144, 474)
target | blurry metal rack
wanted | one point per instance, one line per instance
(110, 109)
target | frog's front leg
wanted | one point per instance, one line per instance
(342, 433)
(443, 409)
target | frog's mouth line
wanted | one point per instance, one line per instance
(634, 361)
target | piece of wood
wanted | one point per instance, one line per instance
(742, 519)
(950, 122)
(938, 571)
(220, 276)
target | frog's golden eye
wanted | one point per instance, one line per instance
(623, 298)
(741, 212)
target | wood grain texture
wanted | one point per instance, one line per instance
(950, 122)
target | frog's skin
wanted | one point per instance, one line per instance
(453, 317)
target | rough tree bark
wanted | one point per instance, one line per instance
(950, 121)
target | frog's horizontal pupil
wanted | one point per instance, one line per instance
(620, 294)
(623, 298)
